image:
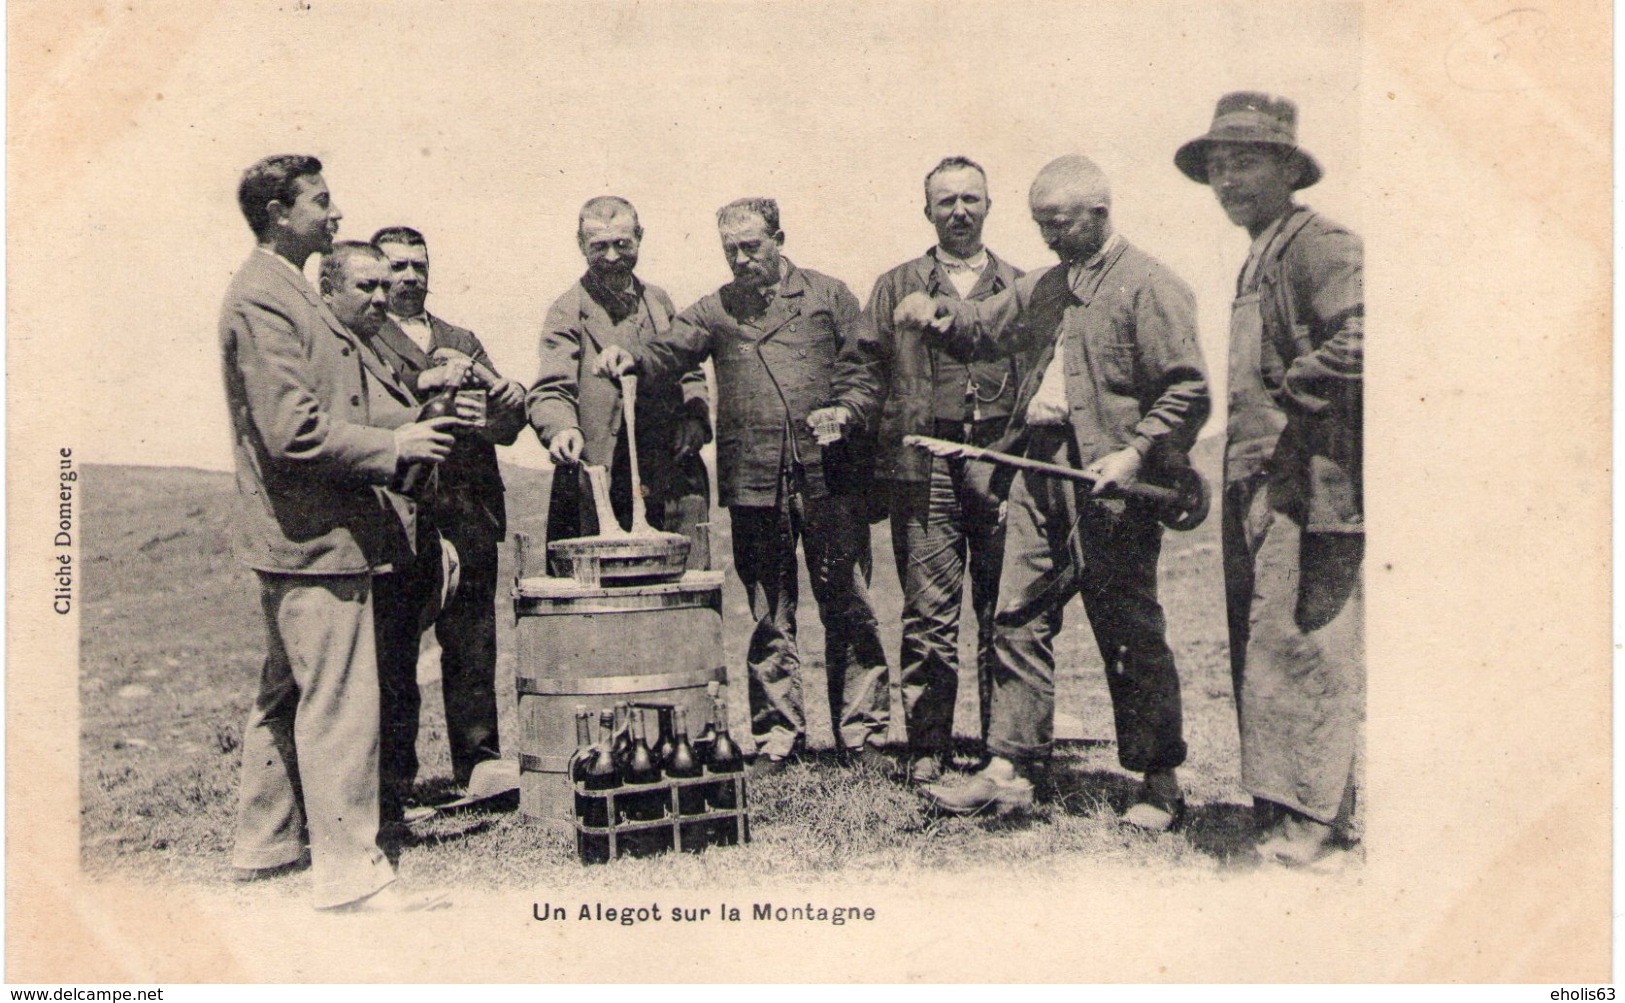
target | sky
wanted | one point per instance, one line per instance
(486, 127)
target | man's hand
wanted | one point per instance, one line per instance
(829, 424)
(693, 431)
(614, 362)
(425, 441)
(1115, 470)
(565, 449)
(508, 394)
(450, 373)
(918, 310)
(1305, 382)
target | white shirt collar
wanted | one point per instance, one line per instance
(951, 261)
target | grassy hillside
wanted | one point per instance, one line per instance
(172, 645)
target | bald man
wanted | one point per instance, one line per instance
(1119, 389)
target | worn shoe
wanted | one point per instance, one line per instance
(927, 769)
(982, 792)
(390, 899)
(874, 760)
(1297, 842)
(1160, 806)
(245, 875)
(1148, 817)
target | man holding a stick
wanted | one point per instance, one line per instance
(577, 413)
(1119, 387)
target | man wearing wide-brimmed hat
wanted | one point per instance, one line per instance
(1293, 528)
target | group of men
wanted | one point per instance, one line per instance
(367, 522)
(1092, 364)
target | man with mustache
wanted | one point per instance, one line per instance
(354, 283)
(577, 412)
(465, 505)
(940, 509)
(315, 527)
(1294, 527)
(773, 334)
(1119, 389)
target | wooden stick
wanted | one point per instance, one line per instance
(951, 450)
(608, 525)
(629, 408)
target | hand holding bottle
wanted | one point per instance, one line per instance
(425, 441)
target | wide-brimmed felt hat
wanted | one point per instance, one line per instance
(1249, 117)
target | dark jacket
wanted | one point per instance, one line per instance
(773, 369)
(1134, 370)
(889, 377)
(311, 466)
(1312, 301)
(469, 493)
(567, 395)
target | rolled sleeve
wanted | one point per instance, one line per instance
(1165, 331)
(1332, 274)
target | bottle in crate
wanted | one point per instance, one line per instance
(726, 762)
(599, 774)
(708, 733)
(684, 766)
(644, 806)
(660, 743)
(578, 770)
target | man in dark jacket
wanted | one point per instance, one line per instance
(1294, 529)
(1120, 387)
(939, 508)
(773, 334)
(466, 506)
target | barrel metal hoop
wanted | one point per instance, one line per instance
(527, 605)
(611, 685)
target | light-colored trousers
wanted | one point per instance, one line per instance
(1301, 693)
(310, 747)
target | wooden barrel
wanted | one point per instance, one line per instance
(597, 647)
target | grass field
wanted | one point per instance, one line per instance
(171, 650)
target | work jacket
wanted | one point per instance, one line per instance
(1312, 302)
(895, 382)
(567, 394)
(1134, 371)
(773, 369)
(311, 466)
